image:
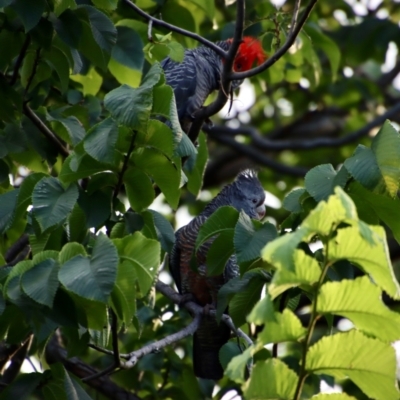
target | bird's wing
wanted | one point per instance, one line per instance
(182, 77)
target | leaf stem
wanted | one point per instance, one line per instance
(311, 325)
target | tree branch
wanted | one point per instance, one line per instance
(264, 143)
(56, 353)
(255, 155)
(45, 130)
(285, 47)
(20, 58)
(184, 32)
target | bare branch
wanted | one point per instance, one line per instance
(20, 58)
(45, 130)
(264, 143)
(184, 32)
(294, 16)
(285, 47)
(156, 346)
(56, 353)
(257, 156)
(149, 29)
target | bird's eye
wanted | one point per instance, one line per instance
(238, 67)
(254, 201)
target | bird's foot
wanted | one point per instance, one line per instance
(207, 308)
(186, 298)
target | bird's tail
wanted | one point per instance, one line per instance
(207, 341)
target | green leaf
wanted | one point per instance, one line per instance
(40, 282)
(165, 232)
(51, 202)
(333, 396)
(321, 181)
(106, 4)
(130, 107)
(195, 166)
(8, 203)
(369, 363)
(29, 15)
(57, 59)
(139, 189)
(236, 367)
(387, 209)
(372, 258)
(219, 253)
(291, 202)
(386, 148)
(306, 272)
(161, 170)
(158, 136)
(244, 301)
(23, 388)
(271, 379)
(70, 128)
(70, 250)
(251, 236)
(93, 278)
(128, 49)
(123, 296)
(278, 327)
(141, 254)
(360, 301)
(100, 141)
(326, 44)
(91, 82)
(222, 220)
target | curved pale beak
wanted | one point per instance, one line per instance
(260, 211)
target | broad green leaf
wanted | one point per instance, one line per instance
(70, 250)
(329, 47)
(157, 136)
(321, 181)
(60, 64)
(306, 272)
(93, 278)
(195, 166)
(244, 301)
(222, 220)
(333, 396)
(141, 254)
(100, 141)
(227, 352)
(236, 367)
(70, 128)
(165, 232)
(128, 50)
(279, 327)
(91, 82)
(139, 189)
(372, 258)
(130, 107)
(40, 282)
(161, 170)
(337, 209)
(251, 236)
(361, 302)
(123, 296)
(369, 363)
(106, 4)
(291, 202)
(219, 253)
(93, 216)
(271, 379)
(387, 209)
(61, 5)
(52, 202)
(8, 204)
(24, 386)
(386, 148)
(29, 15)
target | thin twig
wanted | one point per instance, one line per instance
(294, 16)
(285, 47)
(161, 23)
(125, 165)
(45, 130)
(149, 29)
(34, 68)
(20, 58)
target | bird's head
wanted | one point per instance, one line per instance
(250, 52)
(248, 194)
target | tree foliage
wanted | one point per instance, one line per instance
(85, 152)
